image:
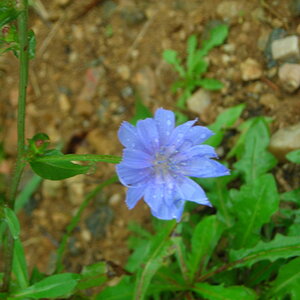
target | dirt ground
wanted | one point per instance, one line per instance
(92, 58)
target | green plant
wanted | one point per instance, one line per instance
(191, 75)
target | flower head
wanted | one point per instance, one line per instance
(159, 158)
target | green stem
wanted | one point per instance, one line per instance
(76, 219)
(80, 157)
(20, 163)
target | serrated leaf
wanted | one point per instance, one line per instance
(54, 286)
(7, 14)
(218, 34)
(204, 240)
(159, 250)
(281, 247)
(57, 170)
(256, 160)
(224, 121)
(294, 156)
(210, 84)
(219, 292)
(31, 44)
(12, 221)
(287, 281)
(253, 205)
(170, 56)
(200, 67)
(191, 49)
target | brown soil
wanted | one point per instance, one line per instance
(91, 59)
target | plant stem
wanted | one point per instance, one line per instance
(80, 157)
(20, 163)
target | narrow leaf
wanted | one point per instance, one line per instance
(158, 251)
(280, 247)
(287, 281)
(12, 221)
(204, 240)
(219, 292)
(210, 84)
(20, 265)
(170, 56)
(60, 285)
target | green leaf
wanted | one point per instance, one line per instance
(170, 56)
(292, 196)
(60, 285)
(122, 291)
(218, 34)
(253, 206)
(191, 49)
(224, 121)
(256, 160)
(12, 221)
(31, 44)
(7, 15)
(20, 265)
(30, 187)
(210, 84)
(294, 156)
(159, 250)
(219, 292)
(281, 247)
(287, 281)
(93, 276)
(204, 240)
(141, 111)
(57, 170)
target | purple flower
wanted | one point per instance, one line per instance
(157, 160)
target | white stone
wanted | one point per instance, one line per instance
(251, 69)
(285, 140)
(229, 9)
(199, 101)
(289, 75)
(287, 47)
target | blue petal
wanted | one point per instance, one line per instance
(137, 159)
(165, 122)
(134, 194)
(163, 201)
(128, 136)
(204, 167)
(129, 176)
(198, 134)
(177, 137)
(191, 152)
(191, 191)
(148, 134)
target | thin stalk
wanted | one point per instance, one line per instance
(74, 222)
(80, 157)
(23, 79)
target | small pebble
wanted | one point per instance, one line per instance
(199, 102)
(284, 48)
(289, 75)
(285, 140)
(251, 69)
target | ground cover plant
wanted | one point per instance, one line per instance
(244, 244)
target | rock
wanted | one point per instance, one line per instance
(64, 103)
(251, 69)
(269, 101)
(124, 72)
(289, 75)
(199, 102)
(229, 9)
(285, 48)
(285, 140)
